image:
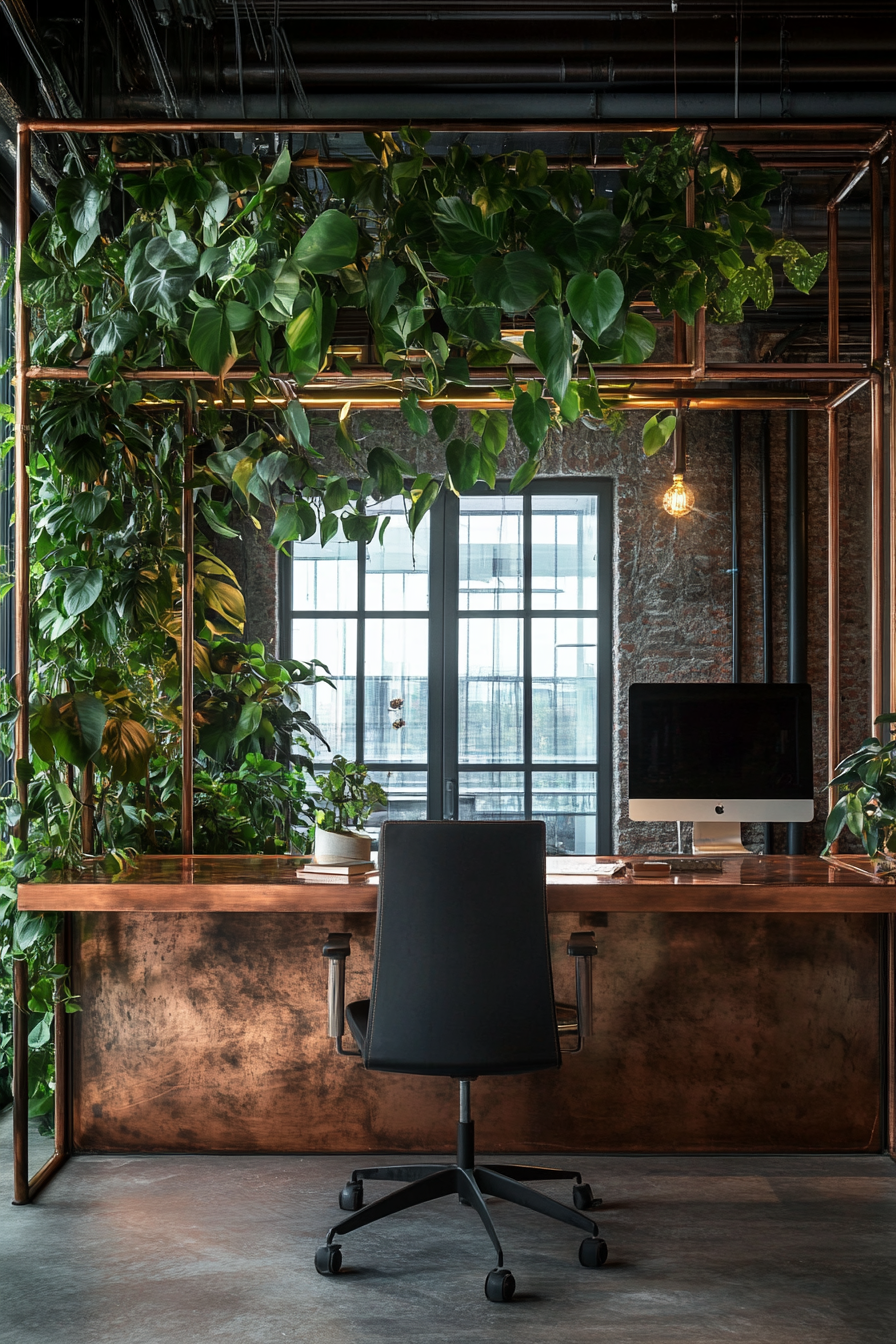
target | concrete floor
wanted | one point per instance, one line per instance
(158, 1250)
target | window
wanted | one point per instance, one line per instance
(472, 668)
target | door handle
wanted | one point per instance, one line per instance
(449, 800)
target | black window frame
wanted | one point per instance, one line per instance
(443, 637)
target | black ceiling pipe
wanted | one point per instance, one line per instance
(797, 569)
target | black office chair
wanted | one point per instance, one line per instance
(461, 986)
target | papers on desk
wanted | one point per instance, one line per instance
(606, 869)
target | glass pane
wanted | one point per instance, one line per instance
(490, 689)
(398, 571)
(334, 643)
(486, 795)
(325, 578)
(491, 554)
(564, 552)
(406, 791)
(564, 689)
(566, 801)
(396, 667)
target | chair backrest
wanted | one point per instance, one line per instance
(462, 979)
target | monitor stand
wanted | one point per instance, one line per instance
(718, 837)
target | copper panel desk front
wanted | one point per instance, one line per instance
(736, 1012)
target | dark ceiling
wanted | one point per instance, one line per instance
(480, 61)
(499, 59)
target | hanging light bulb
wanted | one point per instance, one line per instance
(679, 498)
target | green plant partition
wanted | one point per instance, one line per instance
(218, 259)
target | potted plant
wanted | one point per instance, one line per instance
(867, 803)
(348, 797)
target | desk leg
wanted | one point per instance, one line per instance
(889, 1036)
(24, 1190)
(20, 1082)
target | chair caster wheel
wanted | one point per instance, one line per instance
(351, 1196)
(593, 1252)
(500, 1285)
(328, 1259)
(583, 1198)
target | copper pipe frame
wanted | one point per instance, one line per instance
(833, 600)
(681, 367)
(772, 128)
(877, 447)
(187, 634)
(606, 373)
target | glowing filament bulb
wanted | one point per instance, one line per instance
(679, 498)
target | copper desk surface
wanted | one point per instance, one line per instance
(246, 883)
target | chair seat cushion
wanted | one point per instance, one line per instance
(357, 1015)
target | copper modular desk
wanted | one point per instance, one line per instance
(738, 1011)
(268, 884)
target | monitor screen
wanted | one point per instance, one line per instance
(720, 741)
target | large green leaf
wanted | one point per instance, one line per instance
(516, 282)
(111, 334)
(638, 339)
(594, 300)
(481, 323)
(83, 587)
(82, 198)
(464, 230)
(210, 341)
(657, 433)
(89, 504)
(553, 343)
(161, 272)
(72, 725)
(531, 420)
(329, 244)
(385, 470)
(410, 409)
(295, 417)
(578, 244)
(303, 337)
(294, 522)
(444, 418)
(462, 458)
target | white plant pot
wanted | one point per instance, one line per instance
(330, 847)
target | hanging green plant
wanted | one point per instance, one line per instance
(461, 263)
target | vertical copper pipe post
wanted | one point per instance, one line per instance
(186, 646)
(22, 623)
(20, 1082)
(62, 1058)
(833, 283)
(833, 600)
(891, 366)
(22, 493)
(877, 444)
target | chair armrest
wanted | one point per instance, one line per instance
(582, 947)
(336, 949)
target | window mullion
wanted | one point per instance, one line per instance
(360, 651)
(527, 655)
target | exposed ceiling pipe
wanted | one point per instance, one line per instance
(156, 59)
(55, 91)
(560, 70)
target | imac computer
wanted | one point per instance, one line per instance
(720, 754)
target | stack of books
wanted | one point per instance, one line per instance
(337, 873)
